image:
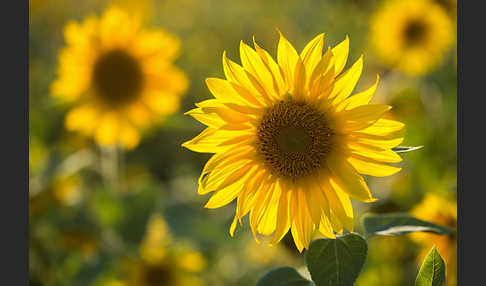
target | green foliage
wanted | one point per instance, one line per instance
(331, 262)
(432, 272)
(283, 276)
(336, 261)
(396, 224)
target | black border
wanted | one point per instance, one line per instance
(471, 155)
(14, 118)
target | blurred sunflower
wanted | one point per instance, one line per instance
(412, 36)
(162, 263)
(441, 211)
(290, 143)
(120, 76)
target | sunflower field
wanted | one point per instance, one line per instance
(276, 142)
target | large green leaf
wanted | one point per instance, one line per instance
(336, 262)
(432, 272)
(283, 276)
(396, 224)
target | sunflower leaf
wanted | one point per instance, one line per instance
(336, 262)
(432, 271)
(396, 224)
(283, 276)
(403, 149)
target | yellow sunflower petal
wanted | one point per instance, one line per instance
(311, 55)
(129, 136)
(359, 99)
(349, 180)
(292, 67)
(108, 130)
(224, 197)
(325, 227)
(253, 63)
(325, 65)
(237, 74)
(283, 219)
(371, 167)
(371, 153)
(376, 142)
(341, 55)
(346, 82)
(208, 119)
(278, 81)
(268, 221)
(117, 28)
(83, 118)
(224, 91)
(339, 202)
(383, 127)
(361, 117)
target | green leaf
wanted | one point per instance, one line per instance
(396, 224)
(432, 272)
(403, 149)
(283, 276)
(336, 262)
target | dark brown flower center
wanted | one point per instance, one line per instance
(157, 275)
(294, 139)
(117, 77)
(415, 32)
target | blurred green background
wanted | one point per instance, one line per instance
(90, 207)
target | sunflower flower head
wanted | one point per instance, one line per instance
(412, 36)
(164, 261)
(119, 76)
(290, 143)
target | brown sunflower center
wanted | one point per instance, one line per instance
(157, 275)
(117, 77)
(415, 32)
(294, 139)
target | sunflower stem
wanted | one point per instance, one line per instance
(109, 167)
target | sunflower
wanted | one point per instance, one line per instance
(120, 76)
(442, 211)
(412, 35)
(163, 263)
(289, 142)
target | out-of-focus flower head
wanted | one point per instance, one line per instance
(163, 260)
(119, 75)
(412, 35)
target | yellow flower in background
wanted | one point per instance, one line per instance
(164, 263)
(61, 190)
(119, 75)
(412, 35)
(290, 142)
(443, 212)
(67, 189)
(450, 6)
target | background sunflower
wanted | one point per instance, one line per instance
(120, 76)
(412, 36)
(115, 198)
